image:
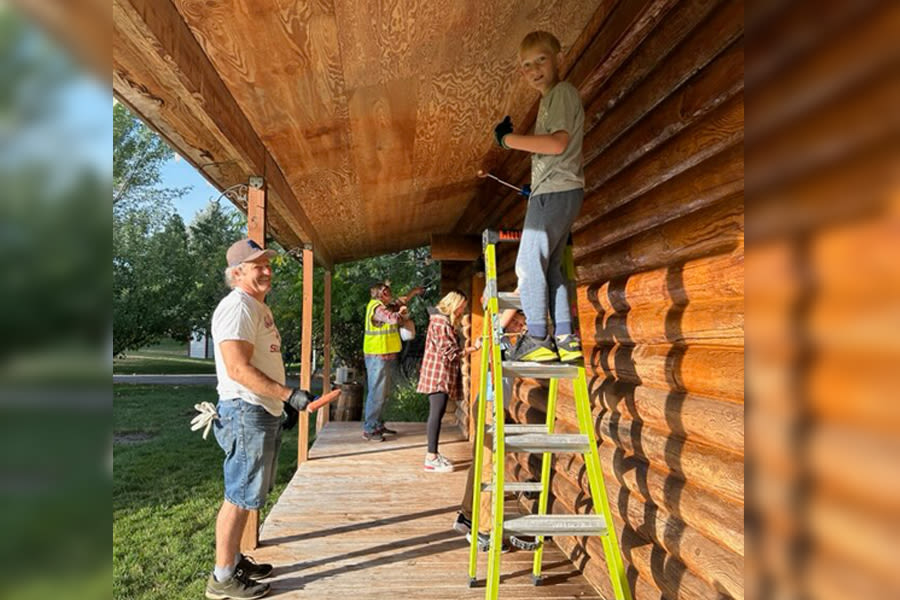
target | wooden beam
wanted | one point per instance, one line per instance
(256, 231)
(305, 352)
(455, 247)
(323, 416)
(158, 34)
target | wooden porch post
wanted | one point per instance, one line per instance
(323, 415)
(305, 352)
(256, 231)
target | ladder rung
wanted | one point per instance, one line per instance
(539, 370)
(556, 525)
(515, 486)
(509, 300)
(518, 428)
(548, 442)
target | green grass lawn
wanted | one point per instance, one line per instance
(168, 357)
(167, 490)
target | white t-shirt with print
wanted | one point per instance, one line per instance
(240, 316)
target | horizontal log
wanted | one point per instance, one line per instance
(694, 417)
(455, 247)
(721, 129)
(709, 278)
(714, 371)
(718, 567)
(648, 126)
(710, 323)
(712, 181)
(712, 514)
(718, 229)
(708, 467)
(679, 24)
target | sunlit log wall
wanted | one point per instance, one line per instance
(660, 264)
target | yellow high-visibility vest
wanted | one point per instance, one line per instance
(380, 339)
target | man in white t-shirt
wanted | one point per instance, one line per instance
(252, 399)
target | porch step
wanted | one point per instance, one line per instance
(548, 442)
(556, 525)
(539, 370)
(514, 486)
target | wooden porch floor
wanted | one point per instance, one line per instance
(362, 520)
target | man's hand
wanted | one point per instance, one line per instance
(403, 312)
(298, 399)
(503, 129)
(291, 417)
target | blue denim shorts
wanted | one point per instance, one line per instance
(251, 439)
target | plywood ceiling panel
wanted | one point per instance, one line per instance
(378, 113)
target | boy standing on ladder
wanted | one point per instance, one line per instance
(557, 192)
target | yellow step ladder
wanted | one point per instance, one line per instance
(535, 439)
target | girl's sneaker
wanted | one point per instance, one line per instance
(438, 464)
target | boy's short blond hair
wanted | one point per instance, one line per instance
(543, 39)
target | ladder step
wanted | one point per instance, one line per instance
(509, 300)
(556, 525)
(539, 370)
(548, 442)
(514, 486)
(517, 428)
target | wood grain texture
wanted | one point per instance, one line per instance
(355, 513)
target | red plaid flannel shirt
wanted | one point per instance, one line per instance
(440, 370)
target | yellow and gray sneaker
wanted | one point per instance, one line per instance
(534, 349)
(569, 348)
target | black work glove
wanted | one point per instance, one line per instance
(290, 417)
(299, 399)
(503, 129)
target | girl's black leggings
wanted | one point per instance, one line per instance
(438, 403)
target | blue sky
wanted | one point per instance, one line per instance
(179, 173)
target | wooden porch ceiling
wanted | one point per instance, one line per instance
(369, 120)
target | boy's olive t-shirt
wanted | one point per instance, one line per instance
(560, 110)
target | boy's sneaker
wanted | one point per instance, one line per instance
(237, 587)
(438, 464)
(569, 347)
(533, 349)
(462, 524)
(484, 542)
(254, 569)
(374, 436)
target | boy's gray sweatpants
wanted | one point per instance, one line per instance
(548, 221)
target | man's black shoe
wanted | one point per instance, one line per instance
(254, 569)
(374, 436)
(384, 430)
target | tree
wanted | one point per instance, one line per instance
(212, 231)
(151, 263)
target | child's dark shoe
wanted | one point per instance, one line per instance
(569, 348)
(534, 349)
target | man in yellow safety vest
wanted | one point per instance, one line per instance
(381, 346)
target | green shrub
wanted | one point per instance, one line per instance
(406, 404)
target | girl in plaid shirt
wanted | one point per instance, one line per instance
(439, 376)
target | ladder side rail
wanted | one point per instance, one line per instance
(546, 462)
(610, 541)
(478, 458)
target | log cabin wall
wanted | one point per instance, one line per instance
(659, 256)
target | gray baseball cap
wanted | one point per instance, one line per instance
(246, 250)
